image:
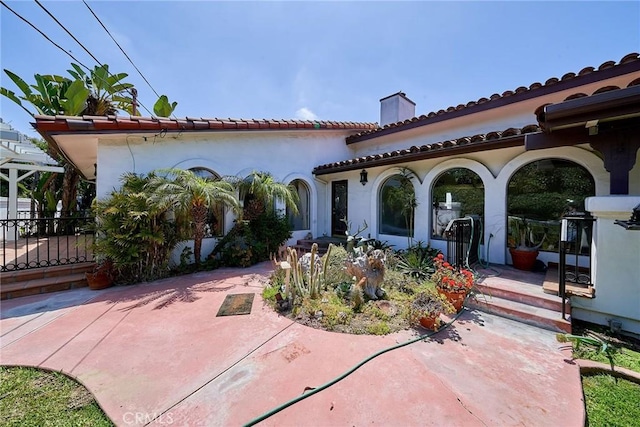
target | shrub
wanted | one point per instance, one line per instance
(417, 261)
(336, 270)
(250, 242)
(134, 233)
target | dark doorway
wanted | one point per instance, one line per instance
(338, 208)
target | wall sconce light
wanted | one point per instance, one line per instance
(363, 177)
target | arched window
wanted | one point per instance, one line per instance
(301, 220)
(396, 206)
(215, 221)
(540, 193)
(457, 193)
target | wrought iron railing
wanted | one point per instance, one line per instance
(44, 242)
(575, 242)
(463, 237)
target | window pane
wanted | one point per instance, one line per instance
(396, 216)
(540, 193)
(301, 220)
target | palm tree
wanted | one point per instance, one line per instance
(192, 195)
(260, 189)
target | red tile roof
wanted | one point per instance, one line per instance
(539, 112)
(64, 124)
(511, 137)
(628, 63)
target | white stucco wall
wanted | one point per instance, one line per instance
(615, 266)
(287, 155)
(495, 168)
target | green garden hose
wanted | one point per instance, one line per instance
(347, 373)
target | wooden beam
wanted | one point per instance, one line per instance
(543, 140)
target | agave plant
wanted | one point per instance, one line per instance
(417, 261)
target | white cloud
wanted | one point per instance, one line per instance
(306, 114)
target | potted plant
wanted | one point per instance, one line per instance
(102, 275)
(454, 284)
(525, 252)
(426, 308)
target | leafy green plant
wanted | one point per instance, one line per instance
(593, 341)
(377, 244)
(191, 195)
(133, 233)
(428, 304)
(336, 272)
(417, 261)
(250, 242)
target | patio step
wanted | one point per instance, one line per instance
(527, 294)
(552, 287)
(15, 284)
(303, 246)
(525, 313)
(520, 296)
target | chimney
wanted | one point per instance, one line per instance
(396, 108)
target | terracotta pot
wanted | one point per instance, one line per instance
(523, 260)
(99, 279)
(456, 298)
(431, 322)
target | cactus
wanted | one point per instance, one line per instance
(312, 281)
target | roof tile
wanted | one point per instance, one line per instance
(394, 127)
(433, 147)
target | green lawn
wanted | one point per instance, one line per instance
(32, 397)
(625, 358)
(610, 403)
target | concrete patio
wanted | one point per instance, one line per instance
(157, 354)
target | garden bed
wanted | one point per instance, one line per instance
(338, 303)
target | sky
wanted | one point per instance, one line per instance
(323, 60)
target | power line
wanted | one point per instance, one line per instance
(120, 47)
(57, 45)
(85, 49)
(43, 34)
(67, 31)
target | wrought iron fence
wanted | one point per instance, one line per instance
(43, 242)
(463, 237)
(576, 238)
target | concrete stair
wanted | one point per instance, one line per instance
(20, 283)
(525, 301)
(303, 246)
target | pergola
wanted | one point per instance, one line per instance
(22, 159)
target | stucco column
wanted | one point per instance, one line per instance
(615, 266)
(495, 222)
